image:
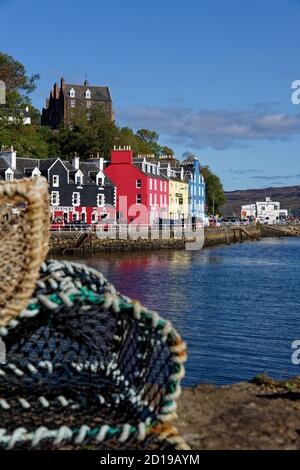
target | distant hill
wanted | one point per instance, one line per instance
(289, 198)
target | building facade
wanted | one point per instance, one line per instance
(197, 188)
(178, 209)
(142, 195)
(79, 191)
(265, 212)
(67, 98)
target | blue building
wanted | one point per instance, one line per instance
(197, 198)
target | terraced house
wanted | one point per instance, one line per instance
(142, 190)
(197, 198)
(79, 191)
(178, 190)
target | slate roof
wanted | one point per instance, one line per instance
(98, 93)
(25, 166)
(139, 166)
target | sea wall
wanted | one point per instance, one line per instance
(65, 241)
(60, 242)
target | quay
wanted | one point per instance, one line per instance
(86, 241)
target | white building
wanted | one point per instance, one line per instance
(266, 212)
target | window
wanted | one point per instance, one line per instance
(88, 104)
(54, 198)
(100, 181)
(165, 200)
(155, 185)
(150, 183)
(150, 199)
(88, 94)
(100, 200)
(36, 172)
(73, 103)
(161, 185)
(72, 93)
(138, 183)
(139, 199)
(165, 186)
(76, 199)
(9, 176)
(55, 181)
(155, 199)
(79, 178)
(161, 200)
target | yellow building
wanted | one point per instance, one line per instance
(178, 199)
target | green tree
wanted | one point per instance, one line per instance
(19, 84)
(148, 142)
(166, 151)
(87, 134)
(215, 196)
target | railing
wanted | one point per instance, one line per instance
(133, 231)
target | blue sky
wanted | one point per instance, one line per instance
(212, 77)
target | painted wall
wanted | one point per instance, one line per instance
(125, 176)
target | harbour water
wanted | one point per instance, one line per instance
(237, 307)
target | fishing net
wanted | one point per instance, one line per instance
(88, 368)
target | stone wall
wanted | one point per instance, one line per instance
(61, 241)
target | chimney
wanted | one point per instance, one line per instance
(10, 156)
(56, 91)
(99, 161)
(75, 161)
(122, 155)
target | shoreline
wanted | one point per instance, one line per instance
(65, 242)
(259, 415)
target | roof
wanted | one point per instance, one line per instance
(139, 166)
(99, 93)
(25, 166)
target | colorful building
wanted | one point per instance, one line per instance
(142, 190)
(178, 190)
(79, 191)
(197, 197)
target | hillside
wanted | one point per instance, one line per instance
(288, 196)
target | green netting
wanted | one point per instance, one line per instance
(88, 368)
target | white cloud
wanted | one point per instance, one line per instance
(219, 129)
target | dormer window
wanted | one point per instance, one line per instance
(36, 172)
(88, 94)
(100, 180)
(79, 178)
(9, 175)
(72, 93)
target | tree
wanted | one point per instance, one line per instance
(148, 142)
(215, 196)
(87, 134)
(18, 83)
(28, 141)
(166, 151)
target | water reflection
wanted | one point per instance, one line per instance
(237, 307)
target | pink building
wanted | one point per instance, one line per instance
(142, 191)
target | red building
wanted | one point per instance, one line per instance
(142, 191)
